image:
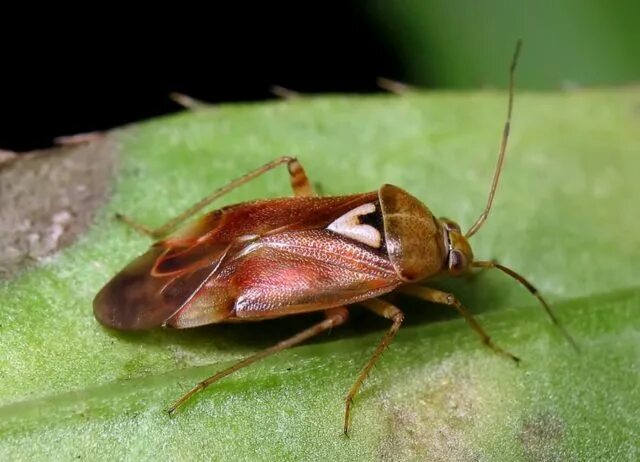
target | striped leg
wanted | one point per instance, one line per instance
(299, 183)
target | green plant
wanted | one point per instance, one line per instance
(565, 215)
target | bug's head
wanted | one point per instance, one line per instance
(458, 254)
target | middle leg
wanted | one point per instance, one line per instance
(444, 298)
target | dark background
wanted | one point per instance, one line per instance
(68, 72)
(98, 77)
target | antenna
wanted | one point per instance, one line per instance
(521, 279)
(503, 147)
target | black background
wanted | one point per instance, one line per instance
(88, 71)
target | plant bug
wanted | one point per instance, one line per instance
(279, 257)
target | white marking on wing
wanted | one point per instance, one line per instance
(349, 226)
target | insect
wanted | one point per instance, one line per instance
(278, 257)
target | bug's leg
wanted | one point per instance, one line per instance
(334, 317)
(444, 298)
(299, 183)
(387, 310)
(138, 227)
(299, 180)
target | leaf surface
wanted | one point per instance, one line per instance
(566, 215)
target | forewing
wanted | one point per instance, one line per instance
(266, 217)
(156, 285)
(175, 278)
(302, 271)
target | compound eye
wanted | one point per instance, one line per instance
(457, 261)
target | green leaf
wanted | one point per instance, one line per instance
(565, 215)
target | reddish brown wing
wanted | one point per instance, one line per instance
(155, 285)
(288, 273)
(266, 217)
(175, 272)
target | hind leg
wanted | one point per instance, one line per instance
(299, 183)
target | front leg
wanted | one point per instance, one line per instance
(444, 298)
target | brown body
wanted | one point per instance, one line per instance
(277, 257)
